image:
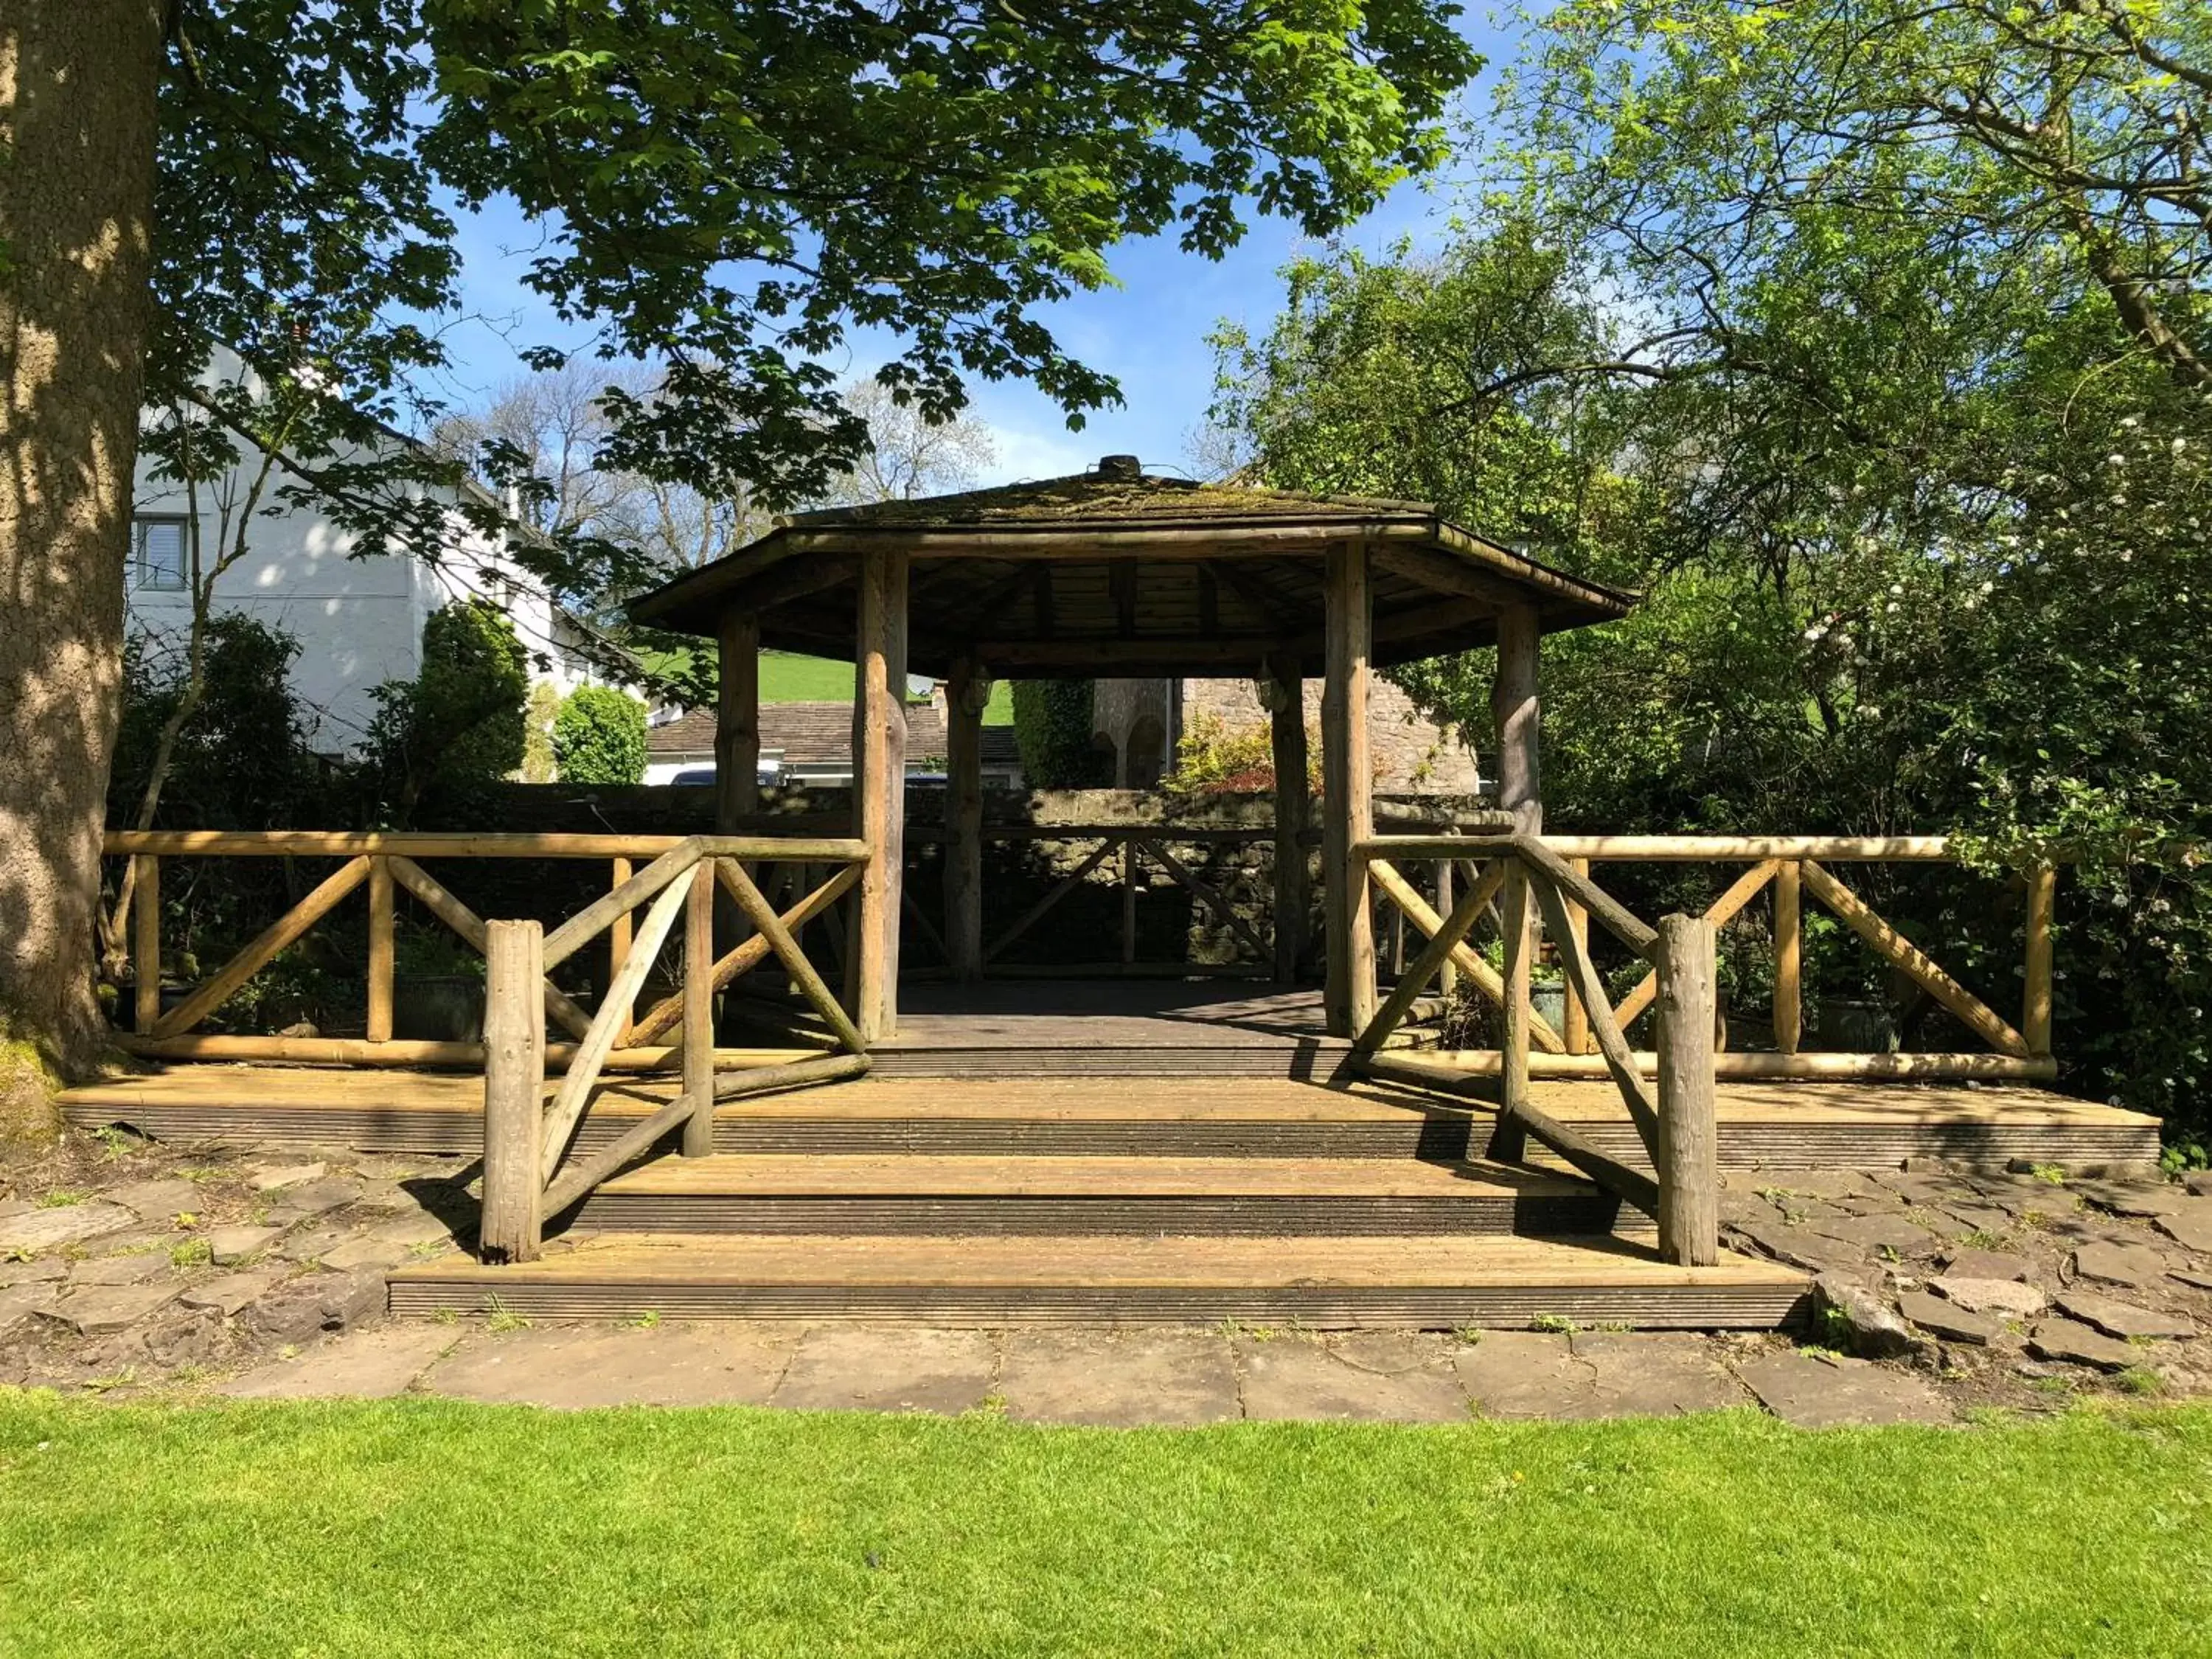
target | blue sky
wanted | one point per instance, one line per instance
(1149, 332)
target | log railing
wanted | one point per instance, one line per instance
(533, 1171)
(1673, 1120)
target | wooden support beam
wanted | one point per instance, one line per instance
(1122, 580)
(1348, 791)
(1606, 910)
(665, 1014)
(515, 1082)
(2035, 997)
(1414, 981)
(1484, 977)
(847, 1029)
(1447, 879)
(146, 942)
(1283, 690)
(1584, 984)
(595, 918)
(1043, 617)
(966, 695)
(620, 932)
(1688, 1157)
(1893, 947)
(880, 791)
(1516, 716)
(470, 927)
(1209, 600)
(1788, 1007)
(378, 1026)
(699, 1012)
(1740, 892)
(288, 929)
(1066, 886)
(1207, 895)
(1516, 920)
(1129, 851)
(1575, 1029)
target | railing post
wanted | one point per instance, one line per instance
(379, 1028)
(1575, 1029)
(1446, 874)
(1128, 899)
(1689, 1172)
(1789, 957)
(699, 1010)
(146, 941)
(514, 1087)
(2035, 1003)
(620, 934)
(1513, 917)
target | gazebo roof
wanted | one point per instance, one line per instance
(1114, 572)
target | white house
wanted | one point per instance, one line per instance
(358, 618)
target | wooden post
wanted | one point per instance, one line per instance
(965, 695)
(1347, 790)
(1128, 898)
(1516, 918)
(880, 790)
(1447, 879)
(1689, 1164)
(1789, 959)
(2035, 1006)
(379, 1029)
(737, 720)
(1575, 1031)
(699, 1012)
(514, 1087)
(620, 933)
(146, 941)
(1517, 716)
(1283, 690)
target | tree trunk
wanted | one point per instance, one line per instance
(78, 86)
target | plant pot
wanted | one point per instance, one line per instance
(1844, 1025)
(438, 1008)
(1549, 1004)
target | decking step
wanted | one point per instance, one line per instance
(1440, 1283)
(843, 1193)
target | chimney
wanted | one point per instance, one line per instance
(1123, 469)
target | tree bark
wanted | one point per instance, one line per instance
(77, 123)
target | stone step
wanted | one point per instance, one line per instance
(1443, 1282)
(911, 1195)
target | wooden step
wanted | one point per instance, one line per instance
(836, 1193)
(1441, 1283)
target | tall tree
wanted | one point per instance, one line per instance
(724, 187)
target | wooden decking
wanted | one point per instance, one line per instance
(1435, 1282)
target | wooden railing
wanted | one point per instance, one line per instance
(1674, 1121)
(529, 1177)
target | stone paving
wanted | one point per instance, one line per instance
(128, 1269)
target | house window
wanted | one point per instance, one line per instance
(158, 553)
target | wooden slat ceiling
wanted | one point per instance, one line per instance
(1102, 577)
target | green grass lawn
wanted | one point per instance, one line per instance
(425, 1527)
(785, 677)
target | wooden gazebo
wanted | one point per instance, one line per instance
(1117, 573)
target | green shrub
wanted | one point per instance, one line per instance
(458, 725)
(599, 737)
(537, 733)
(1053, 729)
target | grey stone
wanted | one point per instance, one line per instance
(2007, 1297)
(2190, 1228)
(119, 1269)
(38, 1270)
(1813, 1391)
(1351, 1380)
(1799, 1247)
(1874, 1330)
(2199, 1183)
(368, 1251)
(1979, 1218)
(226, 1245)
(1162, 1375)
(228, 1294)
(1987, 1264)
(2118, 1264)
(2191, 1276)
(158, 1199)
(107, 1308)
(1815, 1184)
(297, 1309)
(63, 1224)
(315, 1198)
(1525, 1374)
(269, 1179)
(358, 1365)
(420, 1228)
(311, 1243)
(19, 1304)
(1654, 1373)
(2140, 1199)
(2077, 1343)
(705, 1363)
(889, 1368)
(2124, 1319)
(1879, 1232)
(1947, 1319)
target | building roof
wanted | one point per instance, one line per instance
(1116, 572)
(821, 734)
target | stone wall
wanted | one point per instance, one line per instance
(1413, 753)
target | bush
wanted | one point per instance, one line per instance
(599, 737)
(1053, 729)
(458, 725)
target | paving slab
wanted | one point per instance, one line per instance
(314, 1198)
(1799, 1246)
(19, 1304)
(861, 1367)
(1157, 1374)
(269, 1179)
(2118, 1264)
(1301, 1379)
(1947, 1319)
(1525, 1374)
(2142, 1199)
(1872, 1233)
(1815, 1391)
(1987, 1264)
(2124, 1319)
(2190, 1227)
(63, 1224)
(232, 1292)
(38, 1270)
(226, 1245)
(420, 1227)
(120, 1269)
(2081, 1345)
(2007, 1299)
(365, 1251)
(1861, 1310)
(704, 1362)
(359, 1365)
(1654, 1373)
(102, 1309)
(2198, 1277)
(158, 1200)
